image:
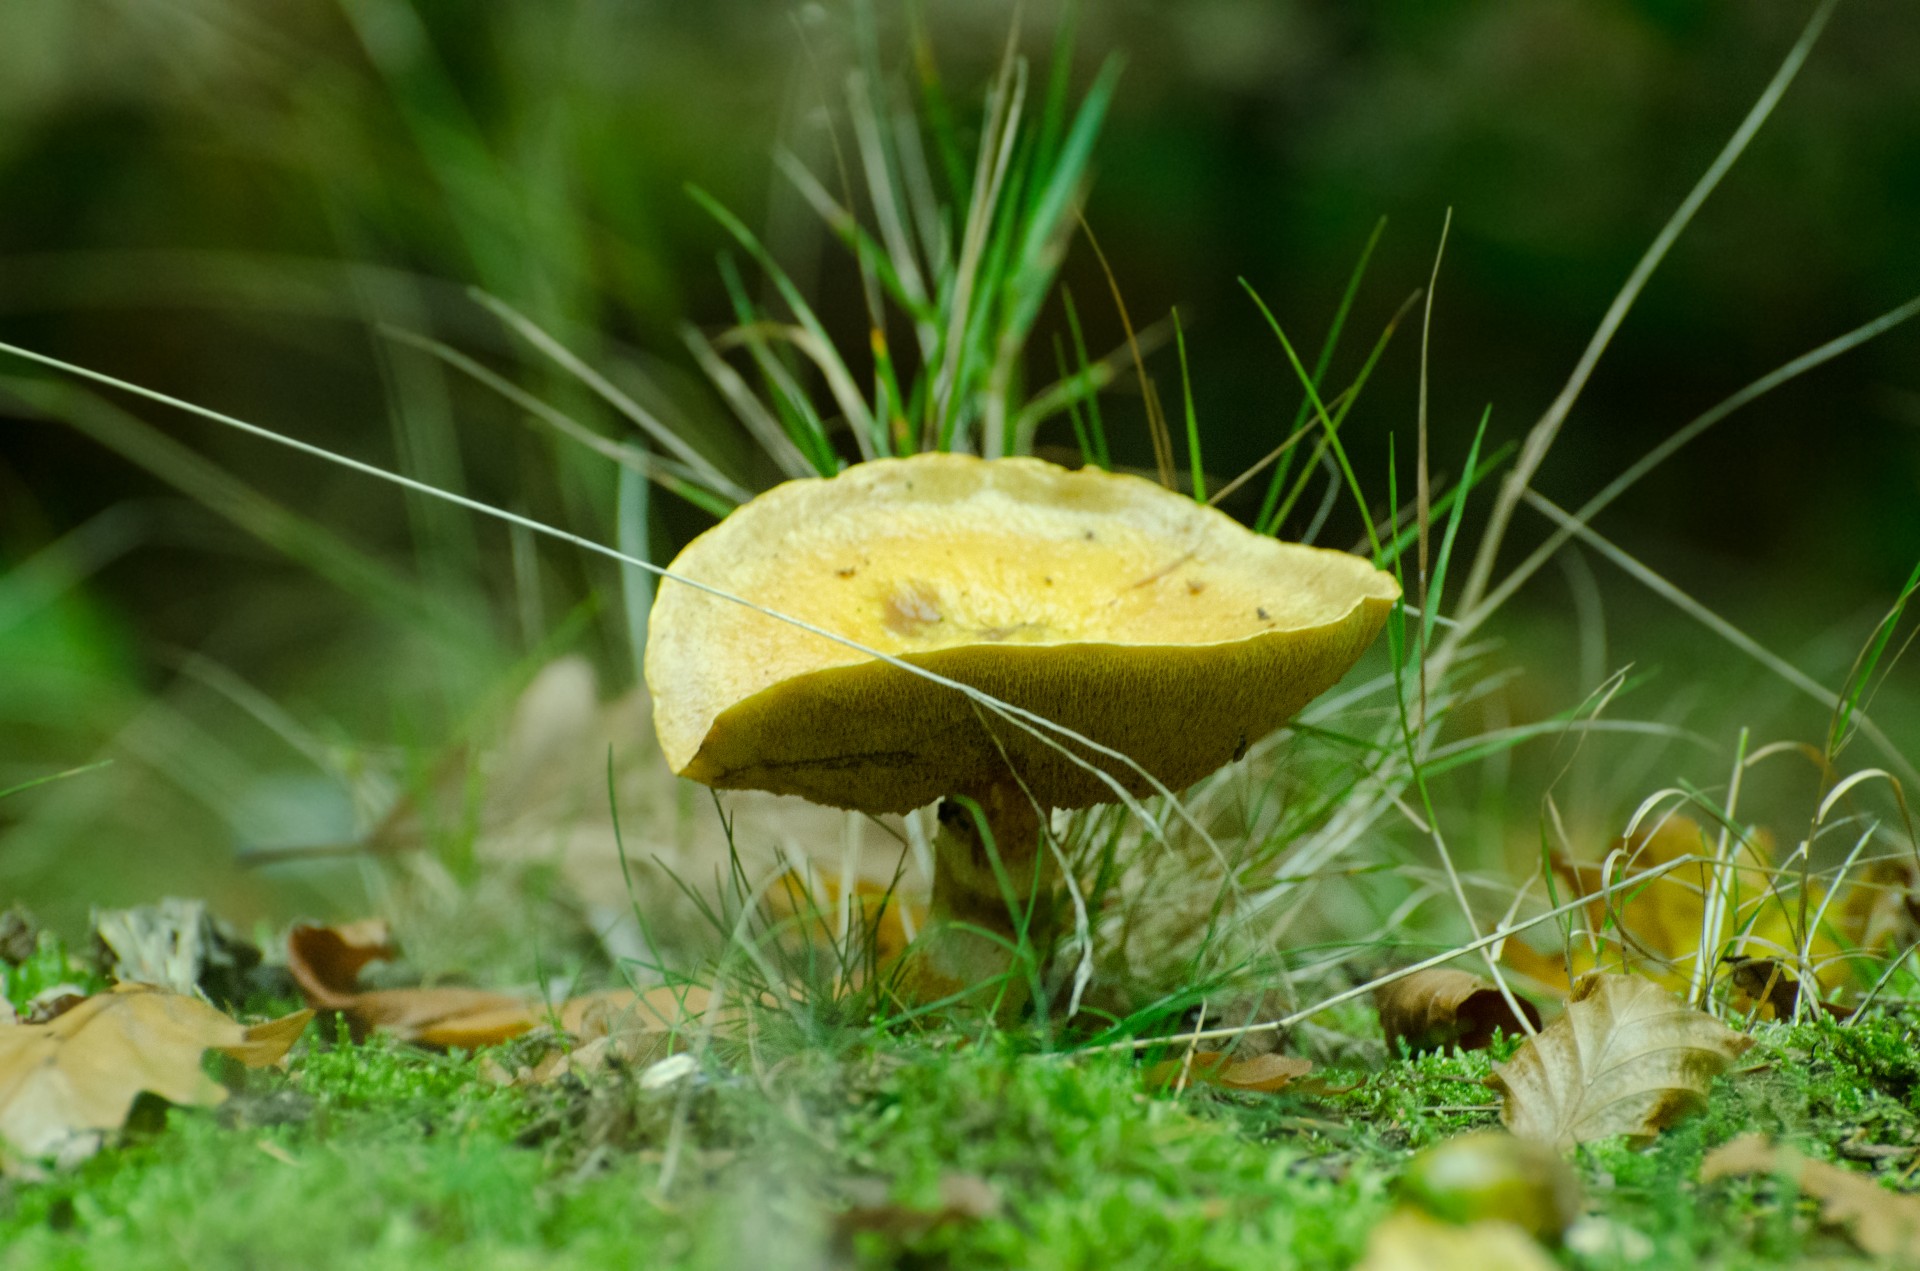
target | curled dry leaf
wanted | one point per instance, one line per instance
(1626, 1058)
(66, 1084)
(1441, 1008)
(1262, 1074)
(1883, 1223)
(1410, 1241)
(326, 963)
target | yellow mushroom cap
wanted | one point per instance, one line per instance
(1130, 614)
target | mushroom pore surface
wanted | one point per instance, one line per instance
(1125, 612)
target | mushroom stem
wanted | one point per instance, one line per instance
(981, 913)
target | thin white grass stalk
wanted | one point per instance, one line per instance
(1038, 726)
(565, 358)
(653, 467)
(1666, 449)
(1193, 1044)
(1804, 954)
(1841, 788)
(1533, 451)
(1497, 935)
(747, 406)
(1082, 925)
(920, 843)
(1725, 880)
(1800, 748)
(849, 875)
(1721, 627)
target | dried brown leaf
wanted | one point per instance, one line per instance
(1409, 1241)
(1626, 1058)
(1442, 1008)
(1262, 1074)
(326, 963)
(1883, 1223)
(66, 1084)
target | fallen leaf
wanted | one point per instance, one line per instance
(326, 963)
(1261, 1074)
(1626, 1058)
(66, 1084)
(1442, 1008)
(1884, 1223)
(1409, 1241)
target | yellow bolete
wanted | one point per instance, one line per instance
(1160, 629)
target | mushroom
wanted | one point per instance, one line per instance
(1159, 629)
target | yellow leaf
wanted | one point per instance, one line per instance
(67, 1083)
(1625, 1058)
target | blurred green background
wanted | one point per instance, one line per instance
(226, 201)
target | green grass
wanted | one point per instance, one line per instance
(380, 1155)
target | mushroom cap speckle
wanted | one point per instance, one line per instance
(1130, 614)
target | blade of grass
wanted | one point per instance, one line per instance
(1720, 626)
(1193, 422)
(1266, 516)
(1541, 437)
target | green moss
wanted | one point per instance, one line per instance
(381, 1155)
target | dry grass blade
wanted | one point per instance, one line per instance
(1883, 1223)
(66, 1084)
(1626, 1058)
(1442, 1008)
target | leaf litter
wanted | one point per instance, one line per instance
(66, 1084)
(1885, 1224)
(1442, 1008)
(326, 963)
(1626, 1058)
